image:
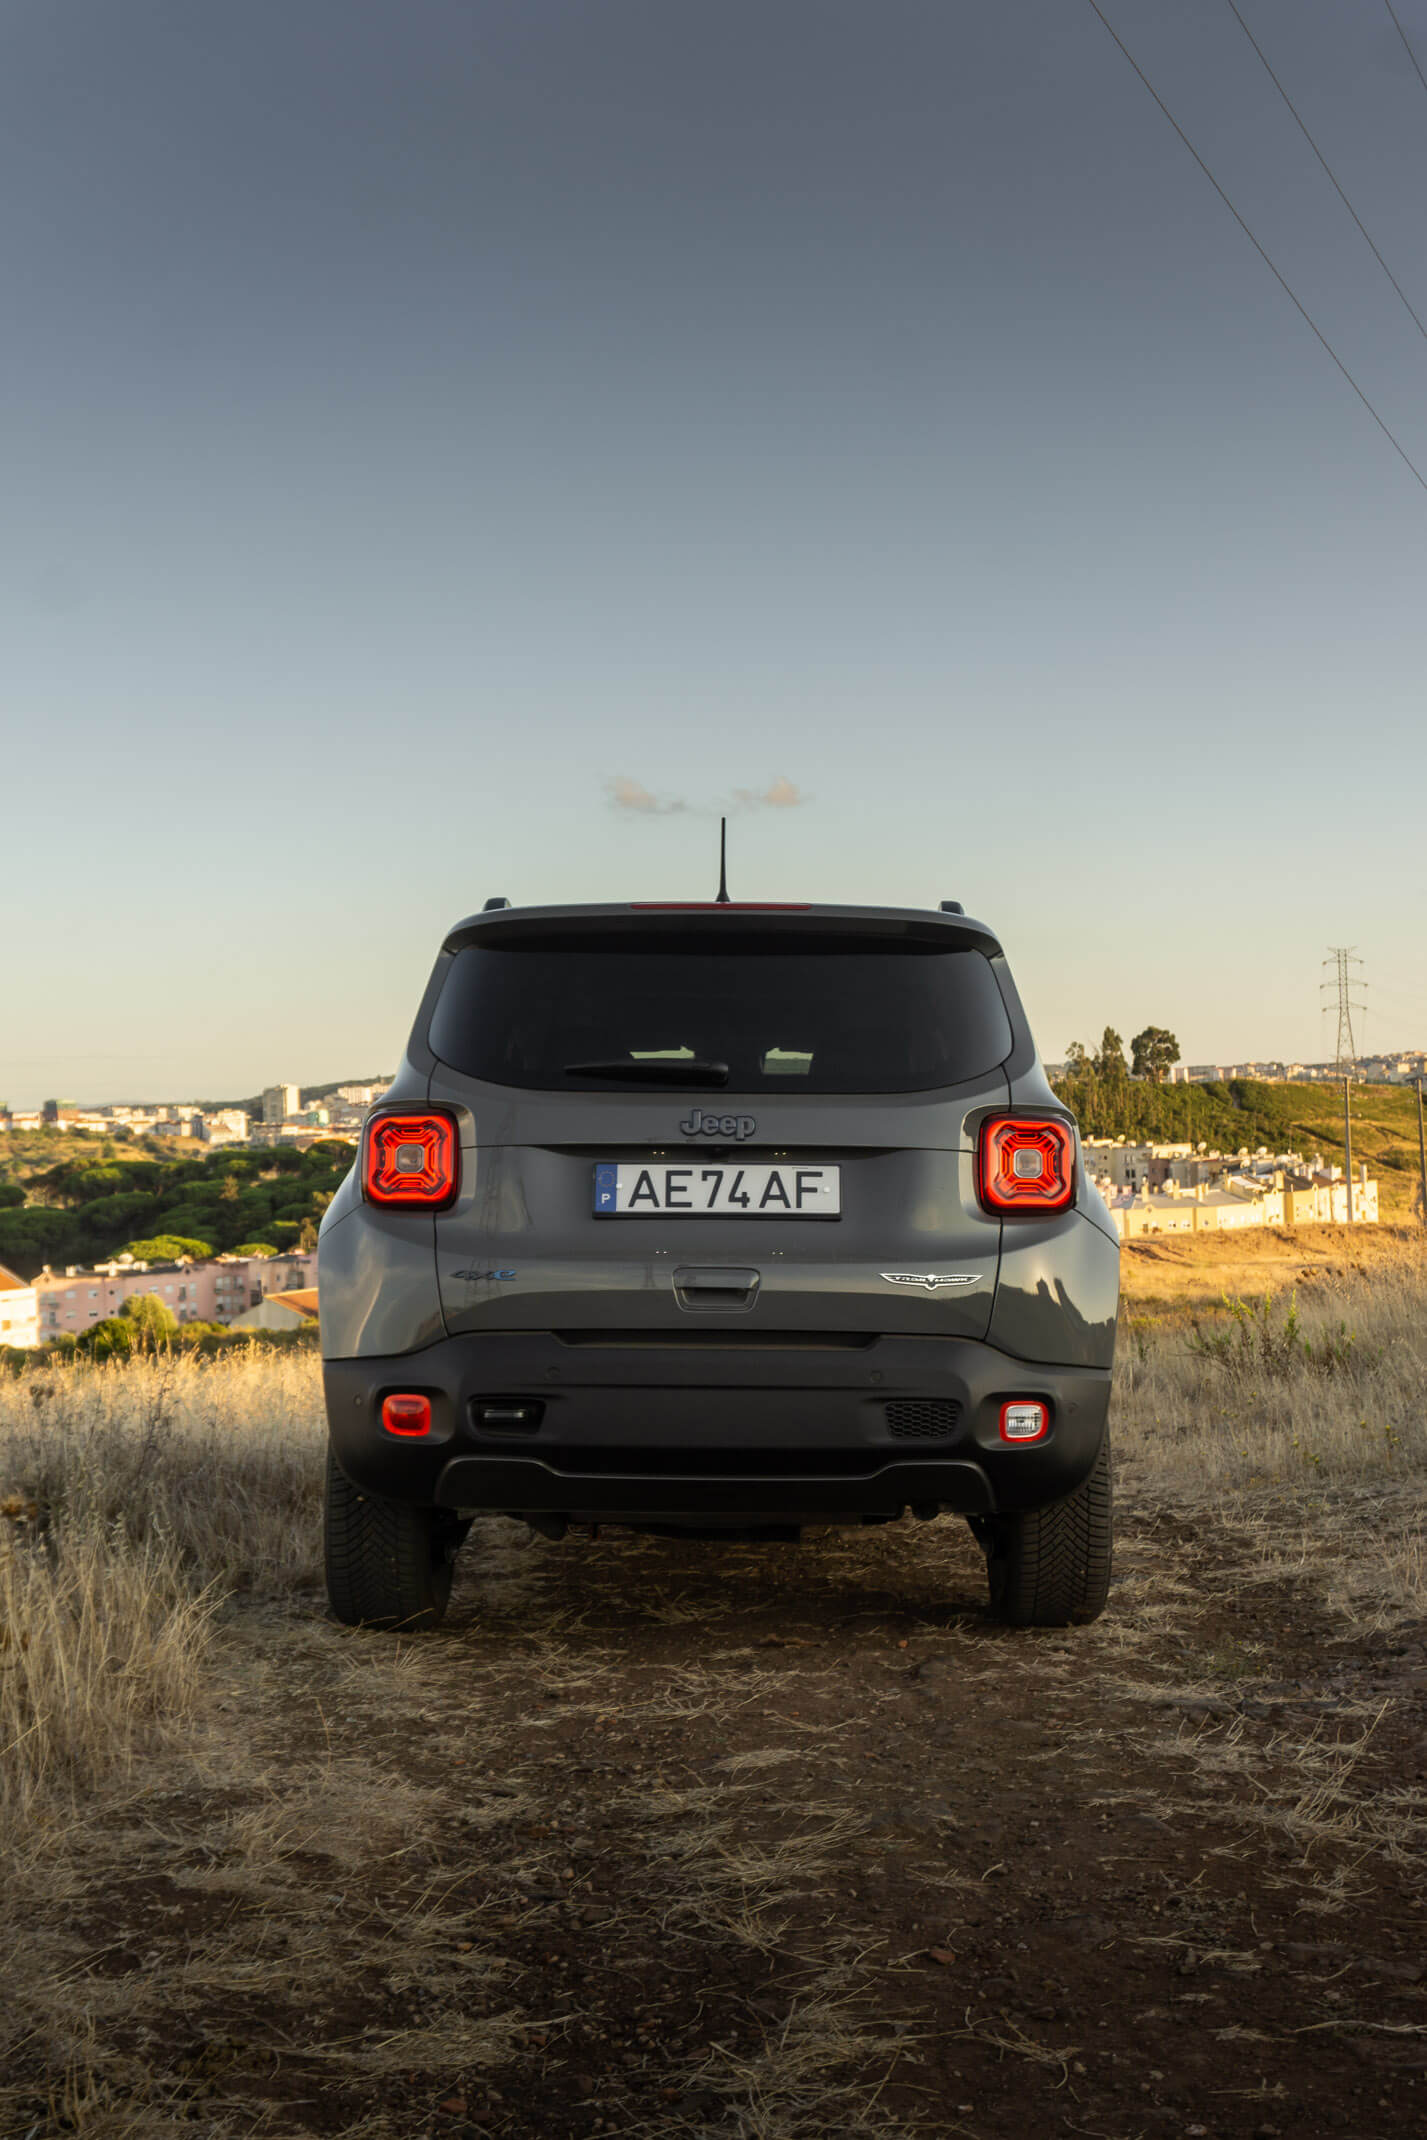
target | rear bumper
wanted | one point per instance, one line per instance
(712, 1431)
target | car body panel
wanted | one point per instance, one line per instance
(522, 1246)
(786, 1411)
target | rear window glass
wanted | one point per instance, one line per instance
(790, 1013)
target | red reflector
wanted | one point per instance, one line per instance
(406, 1415)
(1024, 1419)
(1026, 1164)
(411, 1160)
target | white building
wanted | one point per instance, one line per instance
(280, 1101)
(19, 1311)
(225, 1125)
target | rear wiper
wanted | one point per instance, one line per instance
(671, 1072)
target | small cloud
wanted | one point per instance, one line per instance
(632, 795)
(782, 795)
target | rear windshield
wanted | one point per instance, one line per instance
(781, 1013)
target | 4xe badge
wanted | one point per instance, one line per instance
(701, 1125)
(932, 1280)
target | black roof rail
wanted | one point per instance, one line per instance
(491, 905)
(951, 906)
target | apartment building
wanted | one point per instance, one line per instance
(218, 1291)
(280, 1101)
(19, 1310)
(1242, 1200)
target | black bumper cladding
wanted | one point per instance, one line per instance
(786, 1429)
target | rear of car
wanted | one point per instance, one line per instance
(718, 1220)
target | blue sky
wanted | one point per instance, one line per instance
(418, 419)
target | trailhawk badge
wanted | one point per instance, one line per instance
(932, 1280)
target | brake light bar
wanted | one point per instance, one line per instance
(411, 1161)
(720, 906)
(1026, 1163)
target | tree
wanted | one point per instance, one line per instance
(255, 1248)
(110, 1339)
(307, 1238)
(1152, 1052)
(1077, 1062)
(151, 1324)
(167, 1248)
(1110, 1062)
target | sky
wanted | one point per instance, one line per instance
(462, 449)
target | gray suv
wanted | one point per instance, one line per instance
(718, 1220)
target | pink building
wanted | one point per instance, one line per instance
(214, 1292)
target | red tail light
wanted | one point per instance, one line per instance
(412, 1161)
(1024, 1164)
(406, 1415)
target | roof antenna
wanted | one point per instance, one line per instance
(723, 899)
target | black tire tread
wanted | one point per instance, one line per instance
(1050, 1567)
(388, 1563)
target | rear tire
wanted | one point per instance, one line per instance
(1050, 1567)
(389, 1563)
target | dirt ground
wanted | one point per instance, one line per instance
(770, 1841)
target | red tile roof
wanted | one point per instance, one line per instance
(304, 1300)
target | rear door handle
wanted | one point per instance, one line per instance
(711, 1289)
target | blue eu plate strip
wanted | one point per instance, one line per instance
(605, 1181)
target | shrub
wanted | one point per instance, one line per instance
(112, 1338)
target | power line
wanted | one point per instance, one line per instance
(1422, 78)
(1277, 274)
(1302, 128)
(1342, 957)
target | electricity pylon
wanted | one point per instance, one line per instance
(1342, 958)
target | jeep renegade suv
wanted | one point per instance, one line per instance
(718, 1220)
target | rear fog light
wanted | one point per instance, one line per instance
(1027, 1420)
(406, 1415)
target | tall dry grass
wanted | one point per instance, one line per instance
(1326, 1384)
(133, 1496)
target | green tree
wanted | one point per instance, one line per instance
(255, 1248)
(1110, 1061)
(307, 1238)
(167, 1248)
(1077, 1062)
(108, 1340)
(151, 1324)
(1152, 1052)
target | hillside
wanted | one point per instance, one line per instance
(92, 1204)
(1243, 1111)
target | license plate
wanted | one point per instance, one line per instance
(628, 1189)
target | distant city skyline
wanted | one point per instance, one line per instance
(229, 1099)
(460, 451)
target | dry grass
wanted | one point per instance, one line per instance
(132, 1497)
(101, 1642)
(220, 1457)
(309, 1767)
(1242, 1400)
